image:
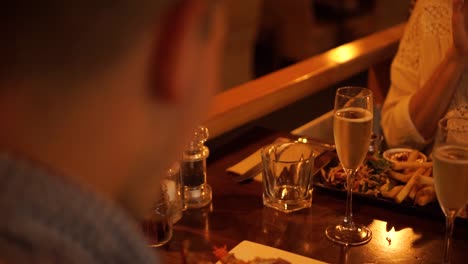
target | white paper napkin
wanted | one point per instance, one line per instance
(251, 161)
(246, 164)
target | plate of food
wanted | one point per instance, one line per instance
(399, 177)
(248, 252)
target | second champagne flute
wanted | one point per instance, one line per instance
(352, 128)
(450, 157)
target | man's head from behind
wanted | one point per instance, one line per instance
(106, 92)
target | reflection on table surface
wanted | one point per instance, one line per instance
(237, 214)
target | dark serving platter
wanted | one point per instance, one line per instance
(331, 160)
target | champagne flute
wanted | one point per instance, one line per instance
(450, 157)
(352, 128)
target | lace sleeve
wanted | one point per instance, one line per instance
(408, 51)
(436, 36)
(421, 50)
(429, 24)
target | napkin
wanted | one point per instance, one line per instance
(251, 161)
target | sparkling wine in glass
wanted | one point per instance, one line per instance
(450, 157)
(352, 129)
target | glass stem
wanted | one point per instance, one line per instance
(344, 255)
(449, 222)
(348, 219)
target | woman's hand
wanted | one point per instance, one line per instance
(459, 30)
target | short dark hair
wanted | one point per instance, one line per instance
(69, 37)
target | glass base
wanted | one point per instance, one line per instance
(287, 206)
(176, 210)
(157, 231)
(344, 234)
(197, 197)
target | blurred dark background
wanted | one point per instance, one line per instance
(266, 35)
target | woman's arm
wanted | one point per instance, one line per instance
(430, 103)
(425, 73)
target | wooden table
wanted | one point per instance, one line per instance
(237, 214)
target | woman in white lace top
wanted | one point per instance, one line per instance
(429, 73)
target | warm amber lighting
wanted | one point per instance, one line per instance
(395, 241)
(307, 247)
(206, 231)
(302, 78)
(342, 54)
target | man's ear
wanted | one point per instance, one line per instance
(175, 61)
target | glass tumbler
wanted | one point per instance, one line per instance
(157, 224)
(175, 192)
(287, 176)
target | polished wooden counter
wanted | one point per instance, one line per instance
(239, 105)
(237, 214)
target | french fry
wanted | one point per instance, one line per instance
(371, 192)
(424, 171)
(414, 190)
(413, 156)
(428, 172)
(400, 176)
(407, 188)
(393, 192)
(384, 187)
(425, 195)
(411, 165)
(425, 180)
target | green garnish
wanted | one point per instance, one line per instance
(380, 165)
